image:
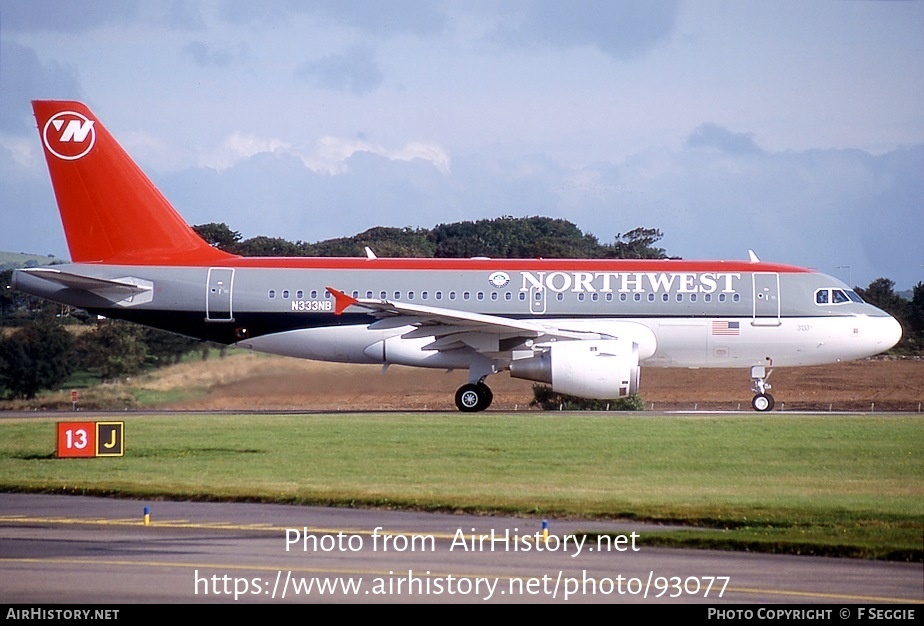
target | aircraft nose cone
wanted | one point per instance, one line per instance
(888, 333)
(891, 333)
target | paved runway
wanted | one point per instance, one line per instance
(82, 550)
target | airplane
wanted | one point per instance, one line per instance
(584, 327)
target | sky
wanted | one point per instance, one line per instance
(791, 128)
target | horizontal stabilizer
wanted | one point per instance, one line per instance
(88, 283)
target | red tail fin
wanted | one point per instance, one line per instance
(111, 211)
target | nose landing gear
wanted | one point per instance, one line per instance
(762, 401)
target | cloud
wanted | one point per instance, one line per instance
(370, 17)
(383, 19)
(239, 147)
(329, 155)
(68, 16)
(333, 154)
(65, 15)
(355, 71)
(621, 29)
(206, 55)
(23, 78)
(714, 136)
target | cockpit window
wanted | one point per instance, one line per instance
(836, 296)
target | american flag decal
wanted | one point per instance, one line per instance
(725, 328)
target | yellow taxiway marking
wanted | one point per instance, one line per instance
(179, 523)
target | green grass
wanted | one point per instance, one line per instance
(833, 484)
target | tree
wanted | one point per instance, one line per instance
(383, 241)
(114, 349)
(916, 320)
(17, 308)
(509, 238)
(164, 348)
(637, 244)
(269, 246)
(219, 235)
(35, 357)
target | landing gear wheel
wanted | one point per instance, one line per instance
(471, 398)
(487, 394)
(762, 402)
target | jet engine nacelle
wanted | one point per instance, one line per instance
(600, 369)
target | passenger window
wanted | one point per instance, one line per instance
(285, 294)
(272, 293)
(424, 295)
(410, 295)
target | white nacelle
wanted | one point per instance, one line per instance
(601, 369)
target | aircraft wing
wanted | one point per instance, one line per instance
(450, 326)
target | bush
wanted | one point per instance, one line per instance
(545, 398)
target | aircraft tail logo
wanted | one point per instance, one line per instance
(69, 135)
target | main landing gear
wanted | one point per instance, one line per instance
(762, 401)
(474, 397)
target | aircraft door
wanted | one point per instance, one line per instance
(537, 299)
(766, 299)
(218, 295)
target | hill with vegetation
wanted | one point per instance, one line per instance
(16, 260)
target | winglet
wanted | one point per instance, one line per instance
(370, 254)
(341, 300)
(753, 256)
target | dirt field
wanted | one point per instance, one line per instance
(249, 381)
